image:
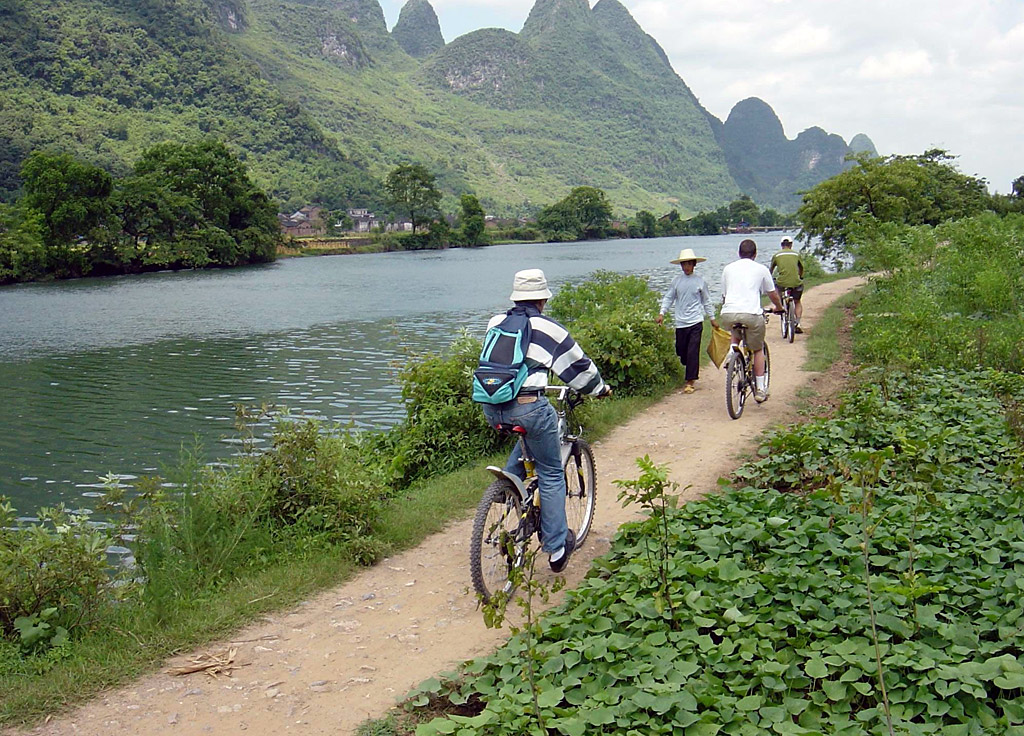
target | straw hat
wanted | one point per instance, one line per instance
(530, 285)
(686, 254)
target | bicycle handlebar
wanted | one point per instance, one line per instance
(570, 396)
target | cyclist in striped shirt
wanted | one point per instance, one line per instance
(552, 349)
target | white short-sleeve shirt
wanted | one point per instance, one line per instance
(743, 283)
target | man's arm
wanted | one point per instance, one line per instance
(553, 347)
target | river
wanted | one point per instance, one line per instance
(118, 375)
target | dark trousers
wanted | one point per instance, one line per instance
(688, 348)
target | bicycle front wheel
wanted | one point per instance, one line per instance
(580, 489)
(784, 322)
(735, 384)
(791, 320)
(495, 544)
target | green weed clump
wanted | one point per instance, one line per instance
(863, 577)
(951, 296)
(53, 578)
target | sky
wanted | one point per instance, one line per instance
(911, 74)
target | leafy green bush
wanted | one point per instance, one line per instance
(612, 318)
(54, 577)
(443, 428)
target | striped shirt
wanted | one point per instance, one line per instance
(553, 349)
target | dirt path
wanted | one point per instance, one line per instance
(349, 653)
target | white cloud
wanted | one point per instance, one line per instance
(806, 39)
(898, 64)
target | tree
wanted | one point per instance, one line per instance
(228, 213)
(646, 225)
(411, 188)
(585, 213)
(909, 190)
(1018, 187)
(471, 220)
(151, 214)
(22, 253)
(73, 199)
(744, 211)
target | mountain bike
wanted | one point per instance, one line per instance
(739, 371)
(508, 515)
(788, 317)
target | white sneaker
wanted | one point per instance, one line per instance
(760, 396)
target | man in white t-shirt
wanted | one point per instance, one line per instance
(743, 283)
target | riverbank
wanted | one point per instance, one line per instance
(349, 652)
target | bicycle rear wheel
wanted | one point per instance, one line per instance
(495, 544)
(735, 384)
(790, 320)
(580, 489)
(767, 367)
(784, 321)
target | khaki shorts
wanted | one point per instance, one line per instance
(754, 324)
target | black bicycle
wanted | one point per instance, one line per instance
(788, 319)
(739, 371)
(508, 516)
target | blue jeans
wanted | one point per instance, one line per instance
(541, 424)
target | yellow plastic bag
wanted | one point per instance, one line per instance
(718, 348)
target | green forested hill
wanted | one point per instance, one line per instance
(321, 101)
(106, 79)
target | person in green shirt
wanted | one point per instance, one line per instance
(788, 270)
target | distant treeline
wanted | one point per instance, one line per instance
(183, 206)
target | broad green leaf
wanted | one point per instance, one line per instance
(835, 691)
(816, 668)
(550, 698)
(750, 702)
(599, 716)
(570, 726)
(436, 726)
(728, 570)
(1009, 681)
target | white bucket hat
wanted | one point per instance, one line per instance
(530, 285)
(686, 254)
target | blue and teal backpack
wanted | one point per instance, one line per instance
(502, 368)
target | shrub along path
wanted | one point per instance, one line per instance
(349, 653)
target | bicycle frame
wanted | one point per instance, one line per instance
(500, 534)
(738, 388)
(562, 409)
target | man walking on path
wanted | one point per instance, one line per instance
(689, 296)
(743, 283)
(788, 269)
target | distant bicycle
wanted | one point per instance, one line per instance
(508, 515)
(739, 372)
(788, 319)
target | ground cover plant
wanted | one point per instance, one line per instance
(909, 495)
